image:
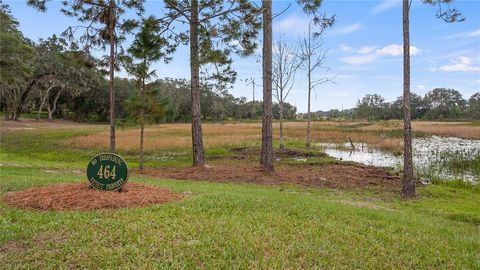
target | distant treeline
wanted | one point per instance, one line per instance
(438, 104)
(216, 105)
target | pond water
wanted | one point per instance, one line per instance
(433, 157)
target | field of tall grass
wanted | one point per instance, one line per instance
(385, 136)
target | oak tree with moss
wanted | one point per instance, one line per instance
(101, 26)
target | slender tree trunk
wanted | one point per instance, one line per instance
(307, 144)
(52, 110)
(142, 124)
(282, 147)
(5, 109)
(69, 106)
(254, 92)
(50, 113)
(111, 30)
(309, 75)
(7, 113)
(43, 100)
(408, 189)
(267, 130)
(197, 139)
(40, 110)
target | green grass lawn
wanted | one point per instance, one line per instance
(230, 225)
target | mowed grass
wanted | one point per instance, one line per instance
(246, 226)
(228, 225)
(385, 135)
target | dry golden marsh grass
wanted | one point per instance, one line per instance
(385, 135)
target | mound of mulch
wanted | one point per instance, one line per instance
(79, 196)
(343, 176)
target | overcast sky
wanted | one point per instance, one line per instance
(364, 49)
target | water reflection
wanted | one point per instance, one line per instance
(431, 156)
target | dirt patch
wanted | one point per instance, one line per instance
(81, 197)
(248, 153)
(331, 176)
(364, 205)
(11, 247)
(31, 124)
(285, 153)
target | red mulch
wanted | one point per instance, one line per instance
(331, 176)
(81, 197)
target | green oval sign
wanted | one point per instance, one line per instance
(107, 172)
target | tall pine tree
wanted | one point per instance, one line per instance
(147, 48)
(216, 29)
(312, 9)
(448, 15)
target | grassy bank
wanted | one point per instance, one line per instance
(224, 225)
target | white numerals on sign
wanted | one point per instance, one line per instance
(106, 173)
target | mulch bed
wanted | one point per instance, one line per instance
(343, 176)
(80, 197)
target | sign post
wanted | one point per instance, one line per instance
(107, 171)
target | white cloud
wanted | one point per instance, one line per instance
(345, 48)
(468, 34)
(366, 55)
(347, 29)
(365, 50)
(392, 50)
(386, 5)
(460, 64)
(458, 67)
(295, 23)
(464, 60)
(475, 33)
(358, 60)
(396, 50)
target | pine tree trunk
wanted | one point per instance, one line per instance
(141, 147)
(408, 189)
(282, 147)
(197, 139)
(267, 137)
(111, 30)
(142, 124)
